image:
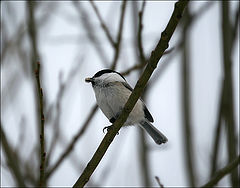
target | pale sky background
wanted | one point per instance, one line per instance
(63, 44)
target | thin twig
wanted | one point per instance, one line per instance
(119, 35)
(36, 69)
(223, 172)
(103, 25)
(154, 59)
(158, 181)
(73, 142)
(217, 132)
(42, 131)
(84, 18)
(134, 67)
(71, 145)
(11, 159)
(194, 17)
(63, 86)
(140, 29)
(115, 44)
(56, 124)
(141, 65)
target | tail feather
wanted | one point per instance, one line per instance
(156, 135)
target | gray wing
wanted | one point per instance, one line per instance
(146, 112)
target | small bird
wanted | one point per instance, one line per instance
(112, 92)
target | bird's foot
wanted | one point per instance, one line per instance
(109, 128)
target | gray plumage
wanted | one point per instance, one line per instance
(156, 135)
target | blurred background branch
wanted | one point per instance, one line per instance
(39, 96)
(228, 109)
(222, 172)
(119, 35)
(11, 160)
(187, 132)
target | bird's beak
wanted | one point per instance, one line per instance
(88, 79)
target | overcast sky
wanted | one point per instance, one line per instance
(63, 44)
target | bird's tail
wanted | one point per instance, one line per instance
(156, 135)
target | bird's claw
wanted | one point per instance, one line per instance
(108, 128)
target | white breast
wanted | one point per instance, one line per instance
(112, 99)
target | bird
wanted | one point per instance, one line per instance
(112, 92)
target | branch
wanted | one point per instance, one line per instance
(42, 131)
(154, 59)
(103, 25)
(223, 172)
(72, 144)
(194, 17)
(63, 88)
(217, 134)
(36, 67)
(228, 103)
(11, 160)
(115, 44)
(90, 30)
(143, 151)
(158, 181)
(140, 28)
(235, 27)
(141, 65)
(188, 141)
(119, 36)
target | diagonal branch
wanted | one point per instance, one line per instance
(223, 172)
(193, 18)
(153, 61)
(63, 88)
(82, 130)
(115, 44)
(87, 25)
(103, 25)
(72, 144)
(11, 160)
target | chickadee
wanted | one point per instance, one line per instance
(112, 92)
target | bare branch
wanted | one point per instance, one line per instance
(228, 106)
(73, 142)
(235, 28)
(11, 159)
(194, 17)
(103, 25)
(154, 59)
(158, 181)
(119, 36)
(140, 66)
(36, 67)
(63, 86)
(140, 28)
(188, 141)
(223, 172)
(84, 18)
(217, 137)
